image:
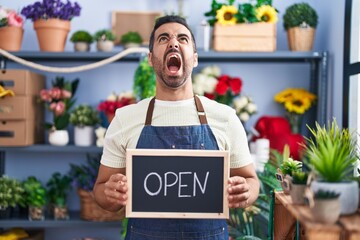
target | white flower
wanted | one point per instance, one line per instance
(112, 97)
(212, 71)
(204, 83)
(3, 13)
(127, 94)
(100, 134)
(240, 103)
(244, 116)
(251, 108)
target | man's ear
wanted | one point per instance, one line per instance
(150, 59)
(196, 62)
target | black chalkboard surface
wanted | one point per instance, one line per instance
(177, 183)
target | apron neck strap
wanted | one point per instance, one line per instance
(198, 104)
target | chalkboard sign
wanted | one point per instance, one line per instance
(177, 183)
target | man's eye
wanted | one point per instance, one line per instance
(184, 40)
(162, 39)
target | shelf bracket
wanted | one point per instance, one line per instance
(3, 64)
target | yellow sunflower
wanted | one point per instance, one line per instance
(284, 95)
(298, 105)
(225, 15)
(266, 13)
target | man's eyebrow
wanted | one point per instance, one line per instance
(183, 35)
(163, 34)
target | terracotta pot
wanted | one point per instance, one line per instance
(301, 39)
(11, 38)
(52, 34)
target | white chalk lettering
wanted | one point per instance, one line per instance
(196, 180)
(177, 180)
(166, 185)
(145, 184)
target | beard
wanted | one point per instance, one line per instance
(174, 82)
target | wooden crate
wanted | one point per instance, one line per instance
(254, 37)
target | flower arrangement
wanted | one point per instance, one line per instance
(59, 100)
(224, 89)
(47, 9)
(114, 102)
(229, 14)
(296, 102)
(10, 18)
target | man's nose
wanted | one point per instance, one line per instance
(173, 43)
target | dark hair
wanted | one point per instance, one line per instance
(169, 19)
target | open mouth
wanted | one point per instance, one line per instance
(173, 63)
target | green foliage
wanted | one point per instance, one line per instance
(35, 193)
(332, 152)
(104, 34)
(300, 14)
(84, 176)
(299, 177)
(81, 36)
(322, 194)
(84, 115)
(144, 80)
(131, 37)
(11, 192)
(57, 188)
(289, 166)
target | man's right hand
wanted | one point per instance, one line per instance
(116, 189)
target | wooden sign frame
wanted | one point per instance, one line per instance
(190, 155)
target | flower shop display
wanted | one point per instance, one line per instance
(114, 101)
(59, 101)
(35, 198)
(296, 102)
(300, 21)
(144, 80)
(11, 195)
(11, 29)
(331, 153)
(104, 40)
(58, 187)
(131, 39)
(82, 40)
(246, 27)
(51, 19)
(84, 118)
(83, 179)
(245, 107)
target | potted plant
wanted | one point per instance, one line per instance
(331, 153)
(82, 40)
(300, 21)
(57, 189)
(84, 118)
(144, 80)
(11, 29)
(83, 178)
(325, 206)
(298, 186)
(59, 100)
(131, 39)
(11, 194)
(104, 40)
(51, 20)
(35, 198)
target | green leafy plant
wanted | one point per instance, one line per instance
(84, 115)
(131, 37)
(299, 177)
(104, 34)
(84, 176)
(35, 192)
(11, 192)
(300, 15)
(144, 80)
(81, 36)
(331, 152)
(321, 194)
(288, 165)
(57, 189)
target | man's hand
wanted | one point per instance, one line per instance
(239, 192)
(116, 189)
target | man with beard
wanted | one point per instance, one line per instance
(175, 119)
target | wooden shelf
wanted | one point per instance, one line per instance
(287, 214)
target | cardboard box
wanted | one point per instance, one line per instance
(21, 132)
(22, 82)
(21, 108)
(141, 22)
(245, 37)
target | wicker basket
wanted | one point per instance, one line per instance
(91, 211)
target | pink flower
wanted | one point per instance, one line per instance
(15, 20)
(58, 108)
(45, 95)
(55, 93)
(65, 94)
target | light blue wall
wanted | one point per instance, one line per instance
(261, 81)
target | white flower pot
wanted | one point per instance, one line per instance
(81, 47)
(105, 46)
(59, 137)
(84, 136)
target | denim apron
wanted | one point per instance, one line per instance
(182, 137)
